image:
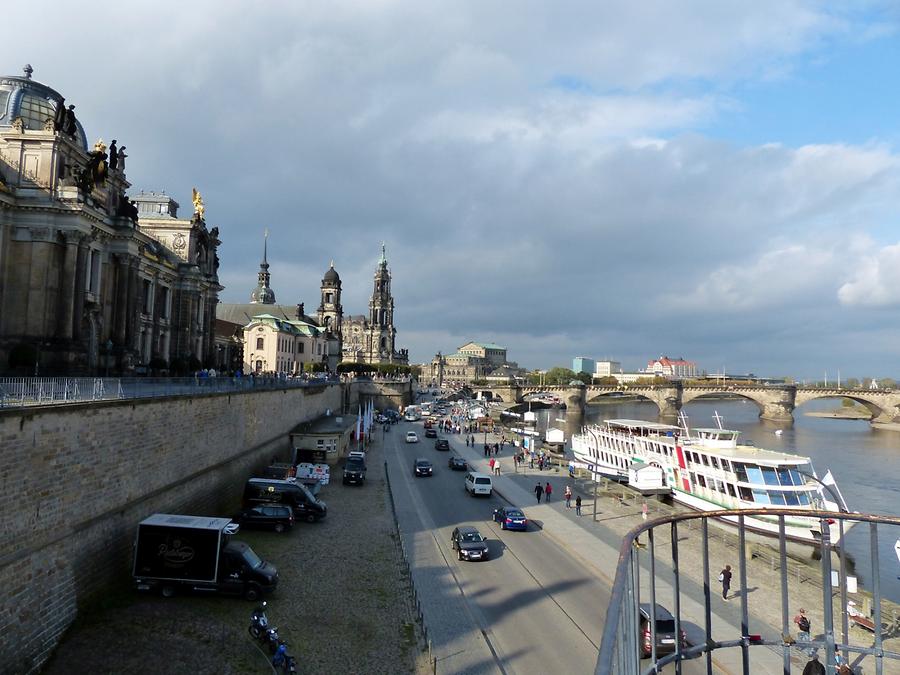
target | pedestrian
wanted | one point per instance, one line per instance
(538, 491)
(803, 626)
(548, 490)
(814, 667)
(578, 505)
(486, 449)
(497, 467)
(644, 512)
(492, 462)
(568, 495)
(531, 460)
(725, 578)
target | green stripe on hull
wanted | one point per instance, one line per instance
(727, 507)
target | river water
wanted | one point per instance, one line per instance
(864, 461)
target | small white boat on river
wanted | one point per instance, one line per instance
(709, 470)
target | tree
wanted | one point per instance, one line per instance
(559, 376)
(606, 381)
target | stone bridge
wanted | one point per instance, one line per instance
(775, 402)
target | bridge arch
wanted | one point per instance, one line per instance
(689, 397)
(884, 406)
(593, 396)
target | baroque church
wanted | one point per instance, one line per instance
(330, 336)
(93, 281)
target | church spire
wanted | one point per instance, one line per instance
(263, 294)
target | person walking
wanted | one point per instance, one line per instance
(578, 505)
(725, 578)
(813, 667)
(538, 491)
(491, 463)
(568, 496)
(803, 626)
(548, 490)
(497, 467)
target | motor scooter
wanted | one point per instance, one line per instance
(260, 630)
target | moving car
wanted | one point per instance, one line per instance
(665, 630)
(479, 484)
(469, 544)
(457, 463)
(442, 444)
(278, 517)
(430, 433)
(510, 518)
(422, 467)
(412, 437)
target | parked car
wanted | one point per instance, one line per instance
(665, 630)
(430, 433)
(422, 467)
(510, 518)
(442, 444)
(392, 416)
(278, 517)
(412, 437)
(469, 544)
(354, 471)
(457, 463)
(296, 495)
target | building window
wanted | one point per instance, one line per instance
(329, 298)
(259, 343)
(146, 304)
(163, 303)
(301, 347)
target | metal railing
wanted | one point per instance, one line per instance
(624, 645)
(20, 392)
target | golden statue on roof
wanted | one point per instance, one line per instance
(199, 208)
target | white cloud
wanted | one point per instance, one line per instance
(876, 279)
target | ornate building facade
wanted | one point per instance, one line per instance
(92, 282)
(366, 339)
(472, 362)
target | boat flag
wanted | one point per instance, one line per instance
(828, 480)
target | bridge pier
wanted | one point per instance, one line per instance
(779, 405)
(575, 398)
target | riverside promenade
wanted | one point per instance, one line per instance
(597, 544)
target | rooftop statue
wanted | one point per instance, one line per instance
(199, 208)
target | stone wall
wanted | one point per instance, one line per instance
(78, 478)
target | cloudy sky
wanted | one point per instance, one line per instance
(707, 179)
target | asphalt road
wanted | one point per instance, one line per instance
(539, 609)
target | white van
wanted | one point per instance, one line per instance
(479, 484)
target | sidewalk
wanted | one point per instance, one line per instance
(598, 547)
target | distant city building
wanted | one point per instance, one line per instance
(93, 281)
(673, 368)
(276, 345)
(473, 361)
(582, 364)
(607, 368)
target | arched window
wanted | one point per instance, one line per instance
(259, 366)
(383, 343)
(259, 343)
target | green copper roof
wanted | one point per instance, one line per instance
(489, 345)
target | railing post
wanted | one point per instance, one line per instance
(707, 595)
(827, 607)
(782, 551)
(876, 596)
(745, 618)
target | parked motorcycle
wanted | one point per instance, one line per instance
(283, 660)
(260, 630)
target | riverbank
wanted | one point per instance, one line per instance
(842, 414)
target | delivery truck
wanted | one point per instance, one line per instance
(197, 553)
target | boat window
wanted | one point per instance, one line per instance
(784, 475)
(754, 475)
(741, 472)
(701, 480)
(693, 477)
(715, 462)
(797, 478)
(725, 465)
(731, 490)
(804, 498)
(791, 498)
(720, 486)
(777, 497)
(770, 476)
(746, 494)
(761, 497)
(705, 460)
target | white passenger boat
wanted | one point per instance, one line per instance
(709, 470)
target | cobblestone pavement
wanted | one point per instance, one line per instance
(344, 604)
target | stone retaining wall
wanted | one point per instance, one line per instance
(78, 478)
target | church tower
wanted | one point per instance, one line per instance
(263, 293)
(381, 315)
(330, 315)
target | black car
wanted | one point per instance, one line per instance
(392, 415)
(354, 471)
(457, 463)
(469, 544)
(430, 433)
(278, 517)
(422, 467)
(665, 630)
(442, 444)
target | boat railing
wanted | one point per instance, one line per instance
(648, 571)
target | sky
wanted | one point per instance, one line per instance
(712, 180)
